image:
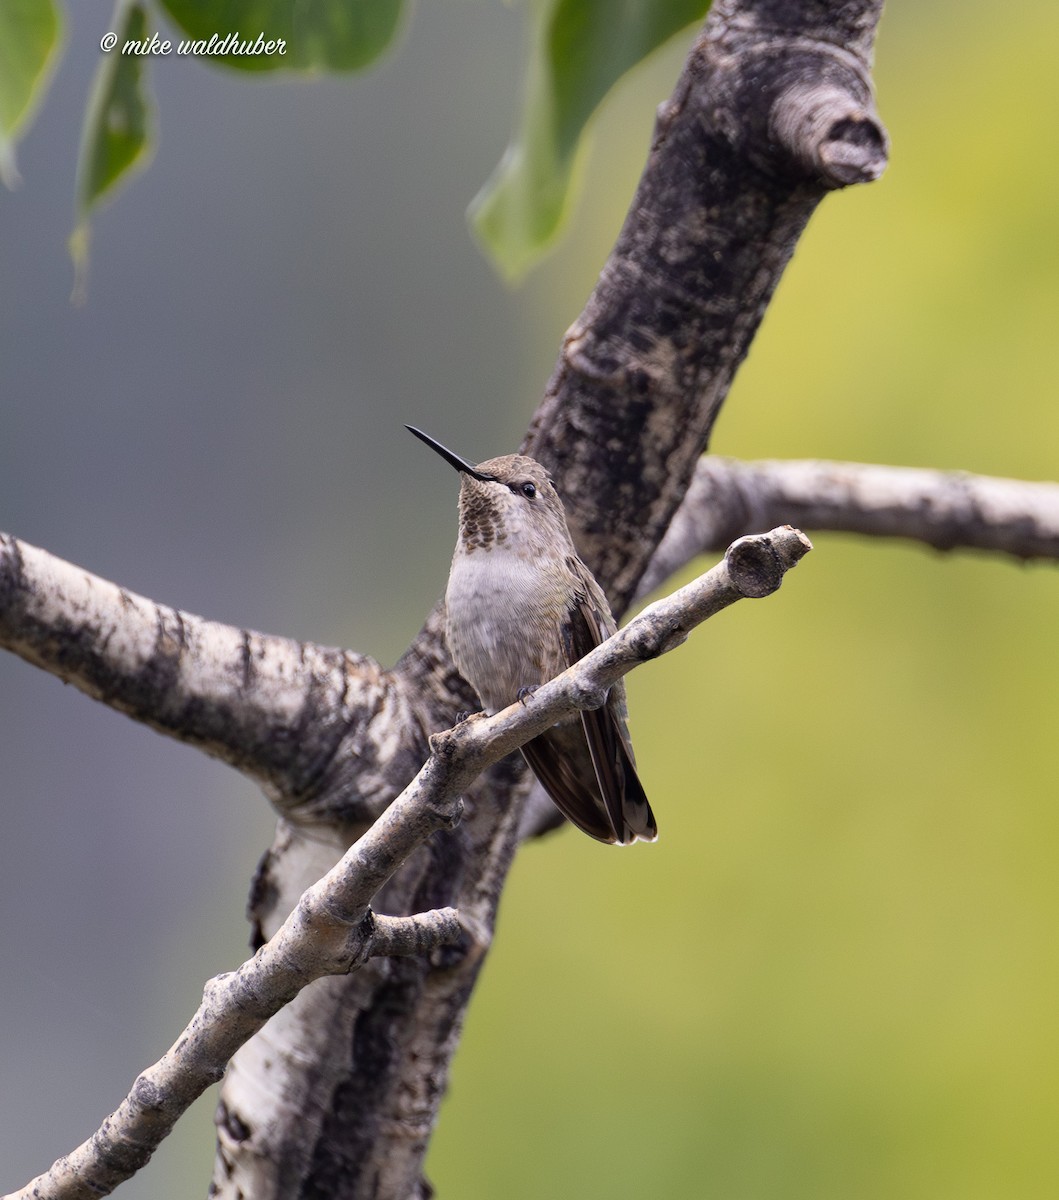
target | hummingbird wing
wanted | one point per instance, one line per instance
(599, 792)
(605, 728)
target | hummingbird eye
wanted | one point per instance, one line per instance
(528, 490)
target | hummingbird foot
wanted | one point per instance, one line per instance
(463, 714)
(524, 693)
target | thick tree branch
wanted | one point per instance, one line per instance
(274, 708)
(774, 109)
(944, 509)
(332, 930)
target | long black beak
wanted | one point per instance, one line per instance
(453, 460)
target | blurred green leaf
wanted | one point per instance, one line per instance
(318, 35)
(30, 33)
(583, 47)
(116, 137)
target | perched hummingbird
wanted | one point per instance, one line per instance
(520, 608)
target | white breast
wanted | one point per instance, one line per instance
(503, 614)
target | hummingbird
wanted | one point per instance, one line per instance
(521, 607)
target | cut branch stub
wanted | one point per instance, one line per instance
(794, 98)
(758, 563)
(831, 132)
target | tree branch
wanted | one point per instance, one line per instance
(774, 109)
(742, 154)
(274, 708)
(753, 567)
(332, 930)
(944, 509)
(312, 943)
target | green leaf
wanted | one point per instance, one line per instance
(117, 136)
(582, 48)
(30, 34)
(317, 35)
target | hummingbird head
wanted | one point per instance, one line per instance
(510, 499)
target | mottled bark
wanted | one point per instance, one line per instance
(773, 96)
(333, 930)
(944, 509)
(289, 714)
(773, 110)
(338, 1094)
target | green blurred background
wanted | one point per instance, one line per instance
(835, 976)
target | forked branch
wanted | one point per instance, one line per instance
(333, 931)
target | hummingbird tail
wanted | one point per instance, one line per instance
(609, 803)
